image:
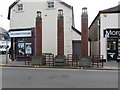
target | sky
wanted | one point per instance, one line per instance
(94, 6)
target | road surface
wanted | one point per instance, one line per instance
(15, 77)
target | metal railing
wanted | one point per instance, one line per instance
(97, 61)
(49, 60)
(72, 60)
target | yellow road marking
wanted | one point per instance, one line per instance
(63, 69)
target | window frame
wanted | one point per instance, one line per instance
(20, 7)
(50, 5)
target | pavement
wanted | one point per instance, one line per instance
(110, 65)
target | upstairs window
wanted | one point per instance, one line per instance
(51, 5)
(20, 7)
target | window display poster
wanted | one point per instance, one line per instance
(28, 48)
(21, 49)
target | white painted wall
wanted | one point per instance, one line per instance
(26, 19)
(75, 36)
(110, 21)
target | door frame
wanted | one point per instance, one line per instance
(73, 45)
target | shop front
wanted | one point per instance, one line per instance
(22, 44)
(113, 44)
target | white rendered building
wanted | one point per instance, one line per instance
(104, 33)
(22, 16)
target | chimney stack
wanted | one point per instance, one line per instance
(84, 25)
(38, 33)
(60, 33)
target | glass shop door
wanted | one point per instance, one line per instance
(112, 50)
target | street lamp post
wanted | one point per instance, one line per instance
(6, 37)
(6, 51)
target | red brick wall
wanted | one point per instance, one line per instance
(84, 42)
(60, 37)
(38, 37)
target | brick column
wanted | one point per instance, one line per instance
(84, 27)
(60, 33)
(38, 38)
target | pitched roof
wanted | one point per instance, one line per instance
(76, 30)
(14, 3)
(67, 5)
(115, 9)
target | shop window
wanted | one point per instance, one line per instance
(21, 49)
(24, 46)
(112, 44)
(28, 48)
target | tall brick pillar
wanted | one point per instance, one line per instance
(38, 34)
(60, 33)
(84, 26)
